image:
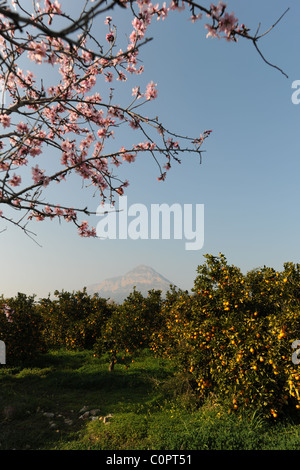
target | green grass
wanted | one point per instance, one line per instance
(147, 413)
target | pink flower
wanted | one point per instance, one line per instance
(70, 214)
(38, 216)
(114, 111)
(53, 7)
(172, 144)
(216, 10)
(34, 151)
(101, 133)
(145, 146)
(22, 128)
(139, 26)
(135, 124)
(4, 166)
(15, 180)
(87, 56)
(5, 120)
(151, 92)
(116, 162)
(122, 77)
(58, 211)
(136, 92)
(128, 157)
(120, 191)
(110, 37)
(227, 23)
(109, 77)
(38, 175)
(175, 6)
(84, 230)
(194, 18)
(48, 210)
(38, 51)
(162, 177)
(162, 13)
(133, 37)
(211, 31)
(67, 146)
(140, 70)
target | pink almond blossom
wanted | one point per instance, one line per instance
(15, 180)
(151, 91)
(5, 120)
(38, 52)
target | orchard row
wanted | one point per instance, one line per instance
(232, 336)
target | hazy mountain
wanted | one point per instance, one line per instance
(142, 277)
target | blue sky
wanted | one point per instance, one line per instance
(249, 177)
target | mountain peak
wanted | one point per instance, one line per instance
(141, 267)
(142, 277)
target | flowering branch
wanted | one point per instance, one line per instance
(71, 118)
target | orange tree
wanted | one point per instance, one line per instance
(20, 328)
(233, 336)
(130, 327)
(169, 340)
(73, 320)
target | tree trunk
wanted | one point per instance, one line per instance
(112, 363)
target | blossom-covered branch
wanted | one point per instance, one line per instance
(64, 105)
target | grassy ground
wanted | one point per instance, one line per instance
(135, 409)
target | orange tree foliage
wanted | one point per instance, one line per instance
(20, 328)
(233, 336)
(73, 320)
(131, 325)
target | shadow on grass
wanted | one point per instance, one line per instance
(62, 383)
(41, 403)
(71, 369)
